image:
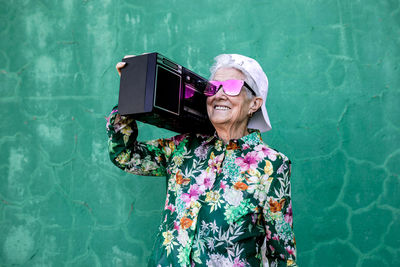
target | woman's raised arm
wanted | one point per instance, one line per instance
(141, 158)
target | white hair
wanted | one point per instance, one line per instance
(226, 61)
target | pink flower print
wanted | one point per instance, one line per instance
(250, 161)
(177, 139)
(265, 151)
(209, 181)
(167, 200)
(268, 233)
(237, 262)
(254, 218)
(201, 152)
(290, 250)
(108, 121)
(194, 191)
(176, 226)
(245, 146)
(186, 198)
(205, 180)
(289, 214)
(275, 237)
(214, 163)
(223, 185)
(271, 248)
(193, 195)
(170, 207)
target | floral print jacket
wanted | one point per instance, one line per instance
(226, 204)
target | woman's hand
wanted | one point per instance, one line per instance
(120, 65)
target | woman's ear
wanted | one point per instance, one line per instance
(255, 104)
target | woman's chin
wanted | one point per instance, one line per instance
(219, 120)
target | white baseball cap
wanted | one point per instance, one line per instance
(252, 70)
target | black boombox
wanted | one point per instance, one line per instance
(155, 90)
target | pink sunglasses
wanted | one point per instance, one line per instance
(230, 87)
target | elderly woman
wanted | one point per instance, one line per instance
(228, 201)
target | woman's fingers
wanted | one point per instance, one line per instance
(119, 66)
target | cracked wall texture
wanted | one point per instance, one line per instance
(334, 103)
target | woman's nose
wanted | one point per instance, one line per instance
(220, 93)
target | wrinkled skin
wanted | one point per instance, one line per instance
(230, 114)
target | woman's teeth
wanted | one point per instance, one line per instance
(221, 107)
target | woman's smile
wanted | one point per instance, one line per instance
(224, 110)
(221, 107)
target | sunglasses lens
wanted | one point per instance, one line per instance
(211, 88)
(230, 87)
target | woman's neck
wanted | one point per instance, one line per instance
(227, 133)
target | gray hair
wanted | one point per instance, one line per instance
(225, 61)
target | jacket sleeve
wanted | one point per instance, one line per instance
(141, 158)
(277, 210)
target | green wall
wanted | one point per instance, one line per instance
(334, 103)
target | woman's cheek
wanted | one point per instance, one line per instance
(209, 106)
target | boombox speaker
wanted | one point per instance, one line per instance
(155, 90)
